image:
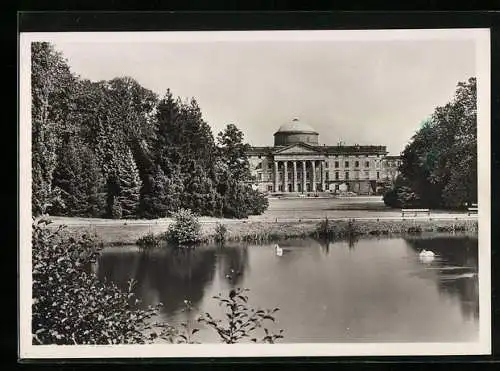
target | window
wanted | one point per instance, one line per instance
(307, 176)
(269, 188)
(367, 164)
(326, 164)
(346, 164)
(260, 157)
(336, 175)
(347, 175)
(378, 175)
(327, 176)
(367, 174)
(356, 164)
(259, 177)
(336, 164)
(269, 165)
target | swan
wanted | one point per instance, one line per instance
(427, 254)
(279, 250)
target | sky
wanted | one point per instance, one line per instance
(357, 92)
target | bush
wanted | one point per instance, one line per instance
(186, 229)
(70, 305)
(240, 320)
(415, 230)
(391, 198)
(220, 233)
(149, 241)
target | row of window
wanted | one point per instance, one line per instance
(336, 164)
(346, 164)
(260, 156)
(337, 176)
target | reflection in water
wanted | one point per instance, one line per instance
(168, 276)
(171, 276)
(456, 265)
(367, 290)
(233, 262)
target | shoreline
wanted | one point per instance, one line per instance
(123, 232)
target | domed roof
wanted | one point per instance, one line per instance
(296, 126)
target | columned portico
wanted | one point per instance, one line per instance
(276, 164)
(294, 187)
(313, 165)
(304, 189)
(285, 176)
(323, 180)
(296, 145)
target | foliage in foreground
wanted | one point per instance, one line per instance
(72, 306)
(241, 320)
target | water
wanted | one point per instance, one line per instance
(370, 290)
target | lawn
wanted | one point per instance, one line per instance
(294, 215)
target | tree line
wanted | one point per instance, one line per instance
(439, 165)
(115, 149)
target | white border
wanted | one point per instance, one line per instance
(483, 346)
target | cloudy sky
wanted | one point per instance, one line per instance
(364, 92)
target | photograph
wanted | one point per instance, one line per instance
(254, 193)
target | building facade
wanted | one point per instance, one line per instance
(297, 163)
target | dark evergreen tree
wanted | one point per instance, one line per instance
(52, 85)
(81, 182)
(129, 185)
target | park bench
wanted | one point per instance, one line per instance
(471, 210)
(415, 211)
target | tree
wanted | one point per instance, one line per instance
(129, 185)
(234, 152)
(233, 175)
(52, 85)
(81, 181)
(440, 164)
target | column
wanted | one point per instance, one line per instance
(304, 189)
(276, 163)
(323, 176)
(285, 176)
(313, 163)
(294, 188)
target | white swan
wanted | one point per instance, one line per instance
(279, 250)
(427, 254)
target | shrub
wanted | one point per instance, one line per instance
(149, 240)
(186, 228)
(240, 319)
(391, 198)
(71, 306)
(415, 230)
(220, 233)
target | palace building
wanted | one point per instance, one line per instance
(297, 163)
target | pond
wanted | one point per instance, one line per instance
(369, 290)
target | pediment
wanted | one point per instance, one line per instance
(299, 148)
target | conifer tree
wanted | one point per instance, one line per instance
(81, 181)
(129, 186)
(51, 92)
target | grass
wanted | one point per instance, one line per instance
(260, 231)
(272, 225)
